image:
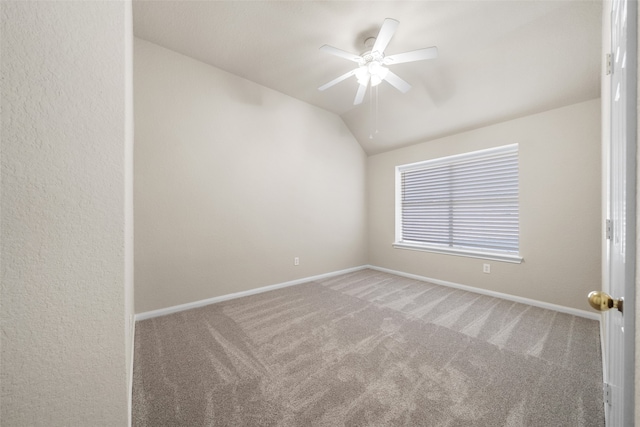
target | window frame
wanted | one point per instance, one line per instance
(490, 254)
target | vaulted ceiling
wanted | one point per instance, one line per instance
(498, 60)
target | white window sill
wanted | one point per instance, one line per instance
(516, 259)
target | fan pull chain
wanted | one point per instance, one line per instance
(377, 108)
(371, 113)
(373, 120)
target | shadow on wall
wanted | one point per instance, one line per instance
(242, 90)
(438, 85)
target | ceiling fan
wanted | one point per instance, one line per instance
(372, 64)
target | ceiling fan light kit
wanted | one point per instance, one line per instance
(373, 64)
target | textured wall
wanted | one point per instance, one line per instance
(560, 214)
(129, 305)
(637, 364)
(234, 180)
(63, 182)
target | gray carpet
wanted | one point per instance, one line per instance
(367, 349)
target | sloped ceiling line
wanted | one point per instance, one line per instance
(497, 60)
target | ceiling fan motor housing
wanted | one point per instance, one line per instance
(371, 69)
(372, 63)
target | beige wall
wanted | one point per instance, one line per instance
(65, 335)
(637, 295)
(234, 180)
(559, 208)
(129, 304)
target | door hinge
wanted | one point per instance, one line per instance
(609, 230)
(606, 393)
(607, 61)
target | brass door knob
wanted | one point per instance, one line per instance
(603, 302)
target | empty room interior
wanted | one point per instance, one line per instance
(297, 213)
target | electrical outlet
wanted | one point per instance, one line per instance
(296, 261)
(486, 268)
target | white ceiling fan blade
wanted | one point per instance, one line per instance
(389, 27)
(362, 89)
(414, 55)
(341, 53)
(338, 80)
(397, 82)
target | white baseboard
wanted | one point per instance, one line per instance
(522, 300)
(176, 308)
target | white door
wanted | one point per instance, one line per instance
(619, 325)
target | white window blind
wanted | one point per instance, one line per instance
(461, 204)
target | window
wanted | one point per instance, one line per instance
(462, 205)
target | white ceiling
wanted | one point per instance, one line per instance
(498, 60)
